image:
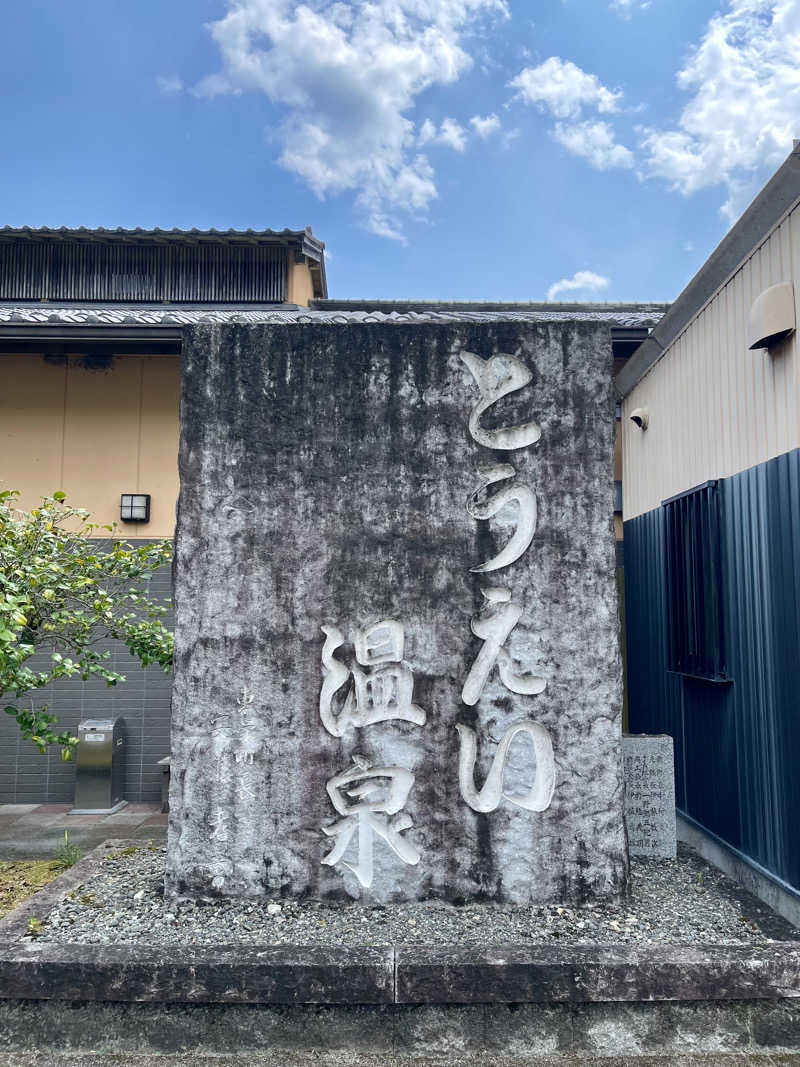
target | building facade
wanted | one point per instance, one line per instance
(89, 404)
(711, 501)
(90, 338)
(90, 335)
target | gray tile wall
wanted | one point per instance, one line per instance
(27, 777)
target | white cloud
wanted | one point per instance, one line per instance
(213, 85)
(625, 8)
(563, 89)
(485, 126)
(346, 75)
(745, 107)
(450, 133)
(582, 281)
(595, 142)
(169, 83)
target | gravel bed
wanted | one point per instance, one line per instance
(680, 901)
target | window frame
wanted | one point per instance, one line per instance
(694, 594)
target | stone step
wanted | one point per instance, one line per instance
(281, 1058)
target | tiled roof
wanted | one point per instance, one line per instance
(160, 315)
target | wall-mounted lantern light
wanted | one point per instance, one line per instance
(640, 417)
(135, 507)
(772, 316)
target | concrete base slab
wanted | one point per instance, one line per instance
(427, 1004)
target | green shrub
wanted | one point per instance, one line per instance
(61, 593)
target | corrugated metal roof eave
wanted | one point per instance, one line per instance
(656, 308)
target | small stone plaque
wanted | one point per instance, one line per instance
(650, 795)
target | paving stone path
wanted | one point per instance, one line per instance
(36, 831)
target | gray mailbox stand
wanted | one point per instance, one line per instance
(100, 767)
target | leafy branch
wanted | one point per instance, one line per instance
(61, 593)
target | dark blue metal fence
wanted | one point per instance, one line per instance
(737, 746)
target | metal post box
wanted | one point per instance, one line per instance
(100, 767)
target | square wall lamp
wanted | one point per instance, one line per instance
(135, 507)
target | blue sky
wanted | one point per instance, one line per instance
(443, 149)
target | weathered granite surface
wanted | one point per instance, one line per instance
(337, 478)
(649, 761)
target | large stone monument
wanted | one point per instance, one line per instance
(397, 665)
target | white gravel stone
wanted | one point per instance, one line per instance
(682, 901)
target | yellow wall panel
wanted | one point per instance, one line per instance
(158, 442)
(31, 426)
(101, 435)
(301, 284)
(93, 433)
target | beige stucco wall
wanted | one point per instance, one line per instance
(715, 407)
(93, 434)
(301, 285)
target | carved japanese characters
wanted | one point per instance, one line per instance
(368, 814)
(377, 695)
(381, 690)
(489, 797)
(497, 377)
(493, 630)
(479, 508)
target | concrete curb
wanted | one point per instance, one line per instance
(304, 974)
(218, 974)
(540, 974)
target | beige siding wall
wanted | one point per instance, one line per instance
(93, 434)
(715, 407)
